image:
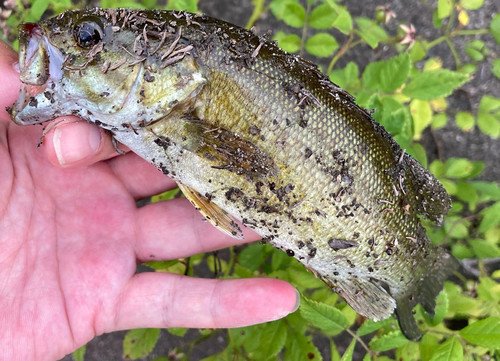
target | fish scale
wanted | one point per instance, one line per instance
(250, 131)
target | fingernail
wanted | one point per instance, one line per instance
(297, 302)
(71, 145)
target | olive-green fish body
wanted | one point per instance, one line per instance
(250, 130)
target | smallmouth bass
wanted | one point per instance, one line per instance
(251, 132)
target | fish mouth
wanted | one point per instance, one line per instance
(40, 65)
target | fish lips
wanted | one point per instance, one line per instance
(40, 68)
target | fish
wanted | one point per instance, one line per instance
(249, 133)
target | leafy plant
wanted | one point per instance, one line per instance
(409, 92)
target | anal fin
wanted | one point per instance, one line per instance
(366, 297)
(212, 212)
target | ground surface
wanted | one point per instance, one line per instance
(445, 143)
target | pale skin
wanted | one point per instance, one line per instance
(71, 237)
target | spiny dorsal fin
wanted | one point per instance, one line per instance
(215, 215)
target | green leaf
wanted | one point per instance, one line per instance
(421, 112)
(488, 124)
(323, 316)
(370, 326)
(294, 15)
(389, 341)
(322, 17)
(484, 249)
(450, 350)
(38, 8)
(408, 352)
(427, 344)
(495, 67)
(343, 22)
(471, 4)
(300, 347)
(290, 43)
(321, 45)
(79, 354)
(278, 7)
(272, 340)
(334, 353)
(495, 27)
(370, 31)
(488, 290)
(189, 5)
(347, 356)
(489, 104)
(371, 75)
(439, 121)
(417, 52)
(161, 265)
(304, 279)
(252, 256)
(139, 342)
(491, 217)
(465, 121)
(444, 8)
(441, 308)
(394, 72)
(177, 331)
(488, 189)
(485, 333)
(418, 152)
(458, 167)
(434, 84)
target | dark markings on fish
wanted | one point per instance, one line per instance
(308, 153)
(33, 102)
(300, 244)
(290, 253)
(148, 77)
(337, 244)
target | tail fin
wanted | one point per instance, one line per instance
(424, 291)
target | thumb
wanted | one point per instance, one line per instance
(71, 141)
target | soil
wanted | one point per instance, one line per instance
(444, 143)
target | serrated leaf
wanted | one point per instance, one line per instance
(303, 279)
(444, 8)
(290, 43)
(465, 121)
(450, 350)
(139, 342)
(323, 316)
(322, 17)
(371, 75)
(321, 45)
(471, 4)
(294, 15)
(434, 84)
(421, 114)
(347, 356)
(79, 353)
(300, 347)
(495, 27)
(272, 340)
(389, 341)
(408, 352)
(485, 333)
(394, 72)
(370, 31)
(491, 217)
(252, 256)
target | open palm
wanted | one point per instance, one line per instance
(71, 236)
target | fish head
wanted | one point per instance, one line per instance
(88, 63)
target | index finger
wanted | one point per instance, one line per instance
(9, 79)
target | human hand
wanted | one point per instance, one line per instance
(71, 236)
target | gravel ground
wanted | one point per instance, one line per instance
(446, 142)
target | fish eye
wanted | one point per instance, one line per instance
(87, 34)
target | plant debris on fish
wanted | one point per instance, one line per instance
(251, 132)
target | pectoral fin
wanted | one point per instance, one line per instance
(212, 212)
